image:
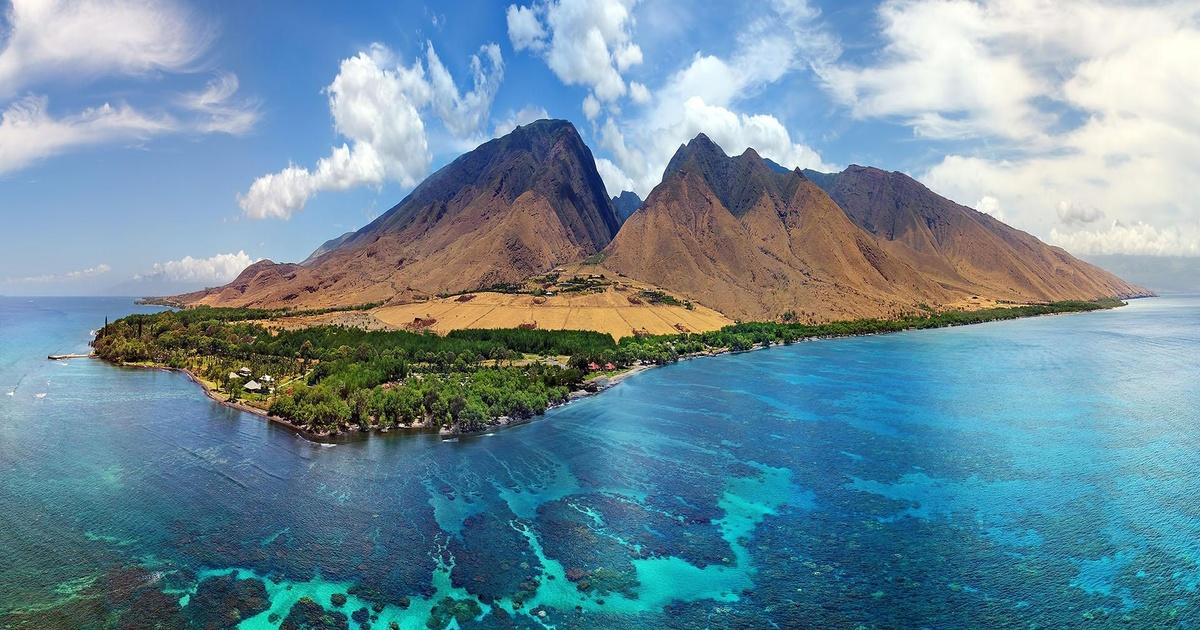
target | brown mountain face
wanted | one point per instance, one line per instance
(964, 250)
(513, 207)
(754, 241)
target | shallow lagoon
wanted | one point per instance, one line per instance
(1041, 471)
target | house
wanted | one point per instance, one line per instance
(233, 375)
(593, 366)
(610, 367)
(267, 378)
(253, 386)
(244, 371)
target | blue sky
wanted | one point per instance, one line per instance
(176, 141)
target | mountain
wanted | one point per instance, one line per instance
(513, 207)
(626, 204)
(752, 240)
(739, 234)
(964, 250)
(327, 247)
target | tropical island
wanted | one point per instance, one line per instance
(331, 380)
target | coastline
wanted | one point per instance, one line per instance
(302, 432)
(599, 385)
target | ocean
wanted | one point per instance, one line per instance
(1033, 473)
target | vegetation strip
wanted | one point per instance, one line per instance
(328, 380)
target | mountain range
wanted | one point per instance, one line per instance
(739, 234)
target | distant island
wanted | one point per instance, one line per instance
(511, 281)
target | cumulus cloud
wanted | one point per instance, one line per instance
(584, 42)
(948, 70)
(1123, 71)
(463, 114)
(591, 107)
(67, 276)
(525, 28)
(61, 38)
(1070, 213)
(990, 205)
(216, 269)
(377, 104)
(615, 180)
(639, 93)
(1136, 238)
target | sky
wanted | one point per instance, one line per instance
(160, 145)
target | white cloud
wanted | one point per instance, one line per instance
(465, 114)
(615, 181)
(68, 276)
(1119, 238)
(591, 107)
(58, 41)
(1070, 213)
(584, 42)
(948, 70)
(990, 205)
(1125, 153)
(524, 28)
(376, 103)
(28, 132)
(703, 97)
(79, 40)
(639, 93)
(217, 110)
(216, 269)
(523, 116)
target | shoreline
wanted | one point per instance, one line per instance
(503, 422)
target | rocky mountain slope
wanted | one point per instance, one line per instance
(514, 206)
(755, 242)
(962, 249)
(739, 234)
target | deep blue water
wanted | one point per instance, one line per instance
(1035, 473)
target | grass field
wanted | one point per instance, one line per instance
(609, 311)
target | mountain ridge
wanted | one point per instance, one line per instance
(960, 246)
(512, 207)
(740, 234)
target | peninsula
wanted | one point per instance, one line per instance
(511, 280)
(327, 381)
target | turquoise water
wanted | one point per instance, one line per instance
(1036, 473)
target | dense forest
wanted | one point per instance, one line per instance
(329, 379)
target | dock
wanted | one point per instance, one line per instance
(63, 357)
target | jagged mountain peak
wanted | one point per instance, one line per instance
(739, 181)
(626, 204)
